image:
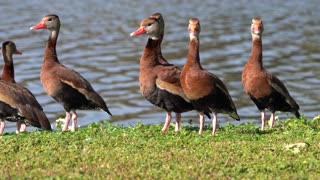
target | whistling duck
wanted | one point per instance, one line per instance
(159, 80)
(265, 89)
(17, 103)
(205, 90)
(65, 85)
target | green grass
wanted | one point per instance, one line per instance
(107, 151)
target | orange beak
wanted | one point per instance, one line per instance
(256, 28)
(192, 29)
(139, 31)
(41, 25)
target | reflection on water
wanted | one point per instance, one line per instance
(94, 40)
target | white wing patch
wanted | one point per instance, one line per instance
(171, 88)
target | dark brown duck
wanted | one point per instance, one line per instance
(65, 85)
(17, 103)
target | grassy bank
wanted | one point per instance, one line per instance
(143, 152)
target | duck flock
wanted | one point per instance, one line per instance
(172, 88)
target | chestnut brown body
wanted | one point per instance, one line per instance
(264, 88)
(205, 90)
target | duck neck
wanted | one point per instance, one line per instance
(256, 51)
(50, 54)
(162, 60)
(8, 69)
(193, 58)
(151, 52)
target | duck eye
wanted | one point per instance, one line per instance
(50, 19)
(149, 24)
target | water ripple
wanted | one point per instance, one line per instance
(94, 40)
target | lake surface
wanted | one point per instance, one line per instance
(94, 40)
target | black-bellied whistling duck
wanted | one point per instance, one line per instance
(265, 89)
(17, 103)
(65, 85)
(206, 91)
(159, 80)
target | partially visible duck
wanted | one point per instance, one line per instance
(17, 103)
(263, 88)
(206, 91)
(65, 85)
(159, 80)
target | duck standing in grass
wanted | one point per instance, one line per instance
(65, 85)
(206, 92)
(263, 88)
(17, 103)
(160, 80)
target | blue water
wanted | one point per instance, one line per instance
(94, 40)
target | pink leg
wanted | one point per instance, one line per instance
(263, 119)
(2, 126)
(23, 127)
(167, 123)
(74, 121)
(178, 122)
(67, 120)
(271, 122)
(18, 127)
(201, 119)
(214, 123)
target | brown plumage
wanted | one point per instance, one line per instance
(65, 85)
(159, 80)
(265, 89)
(17, 103)
(205, 90)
